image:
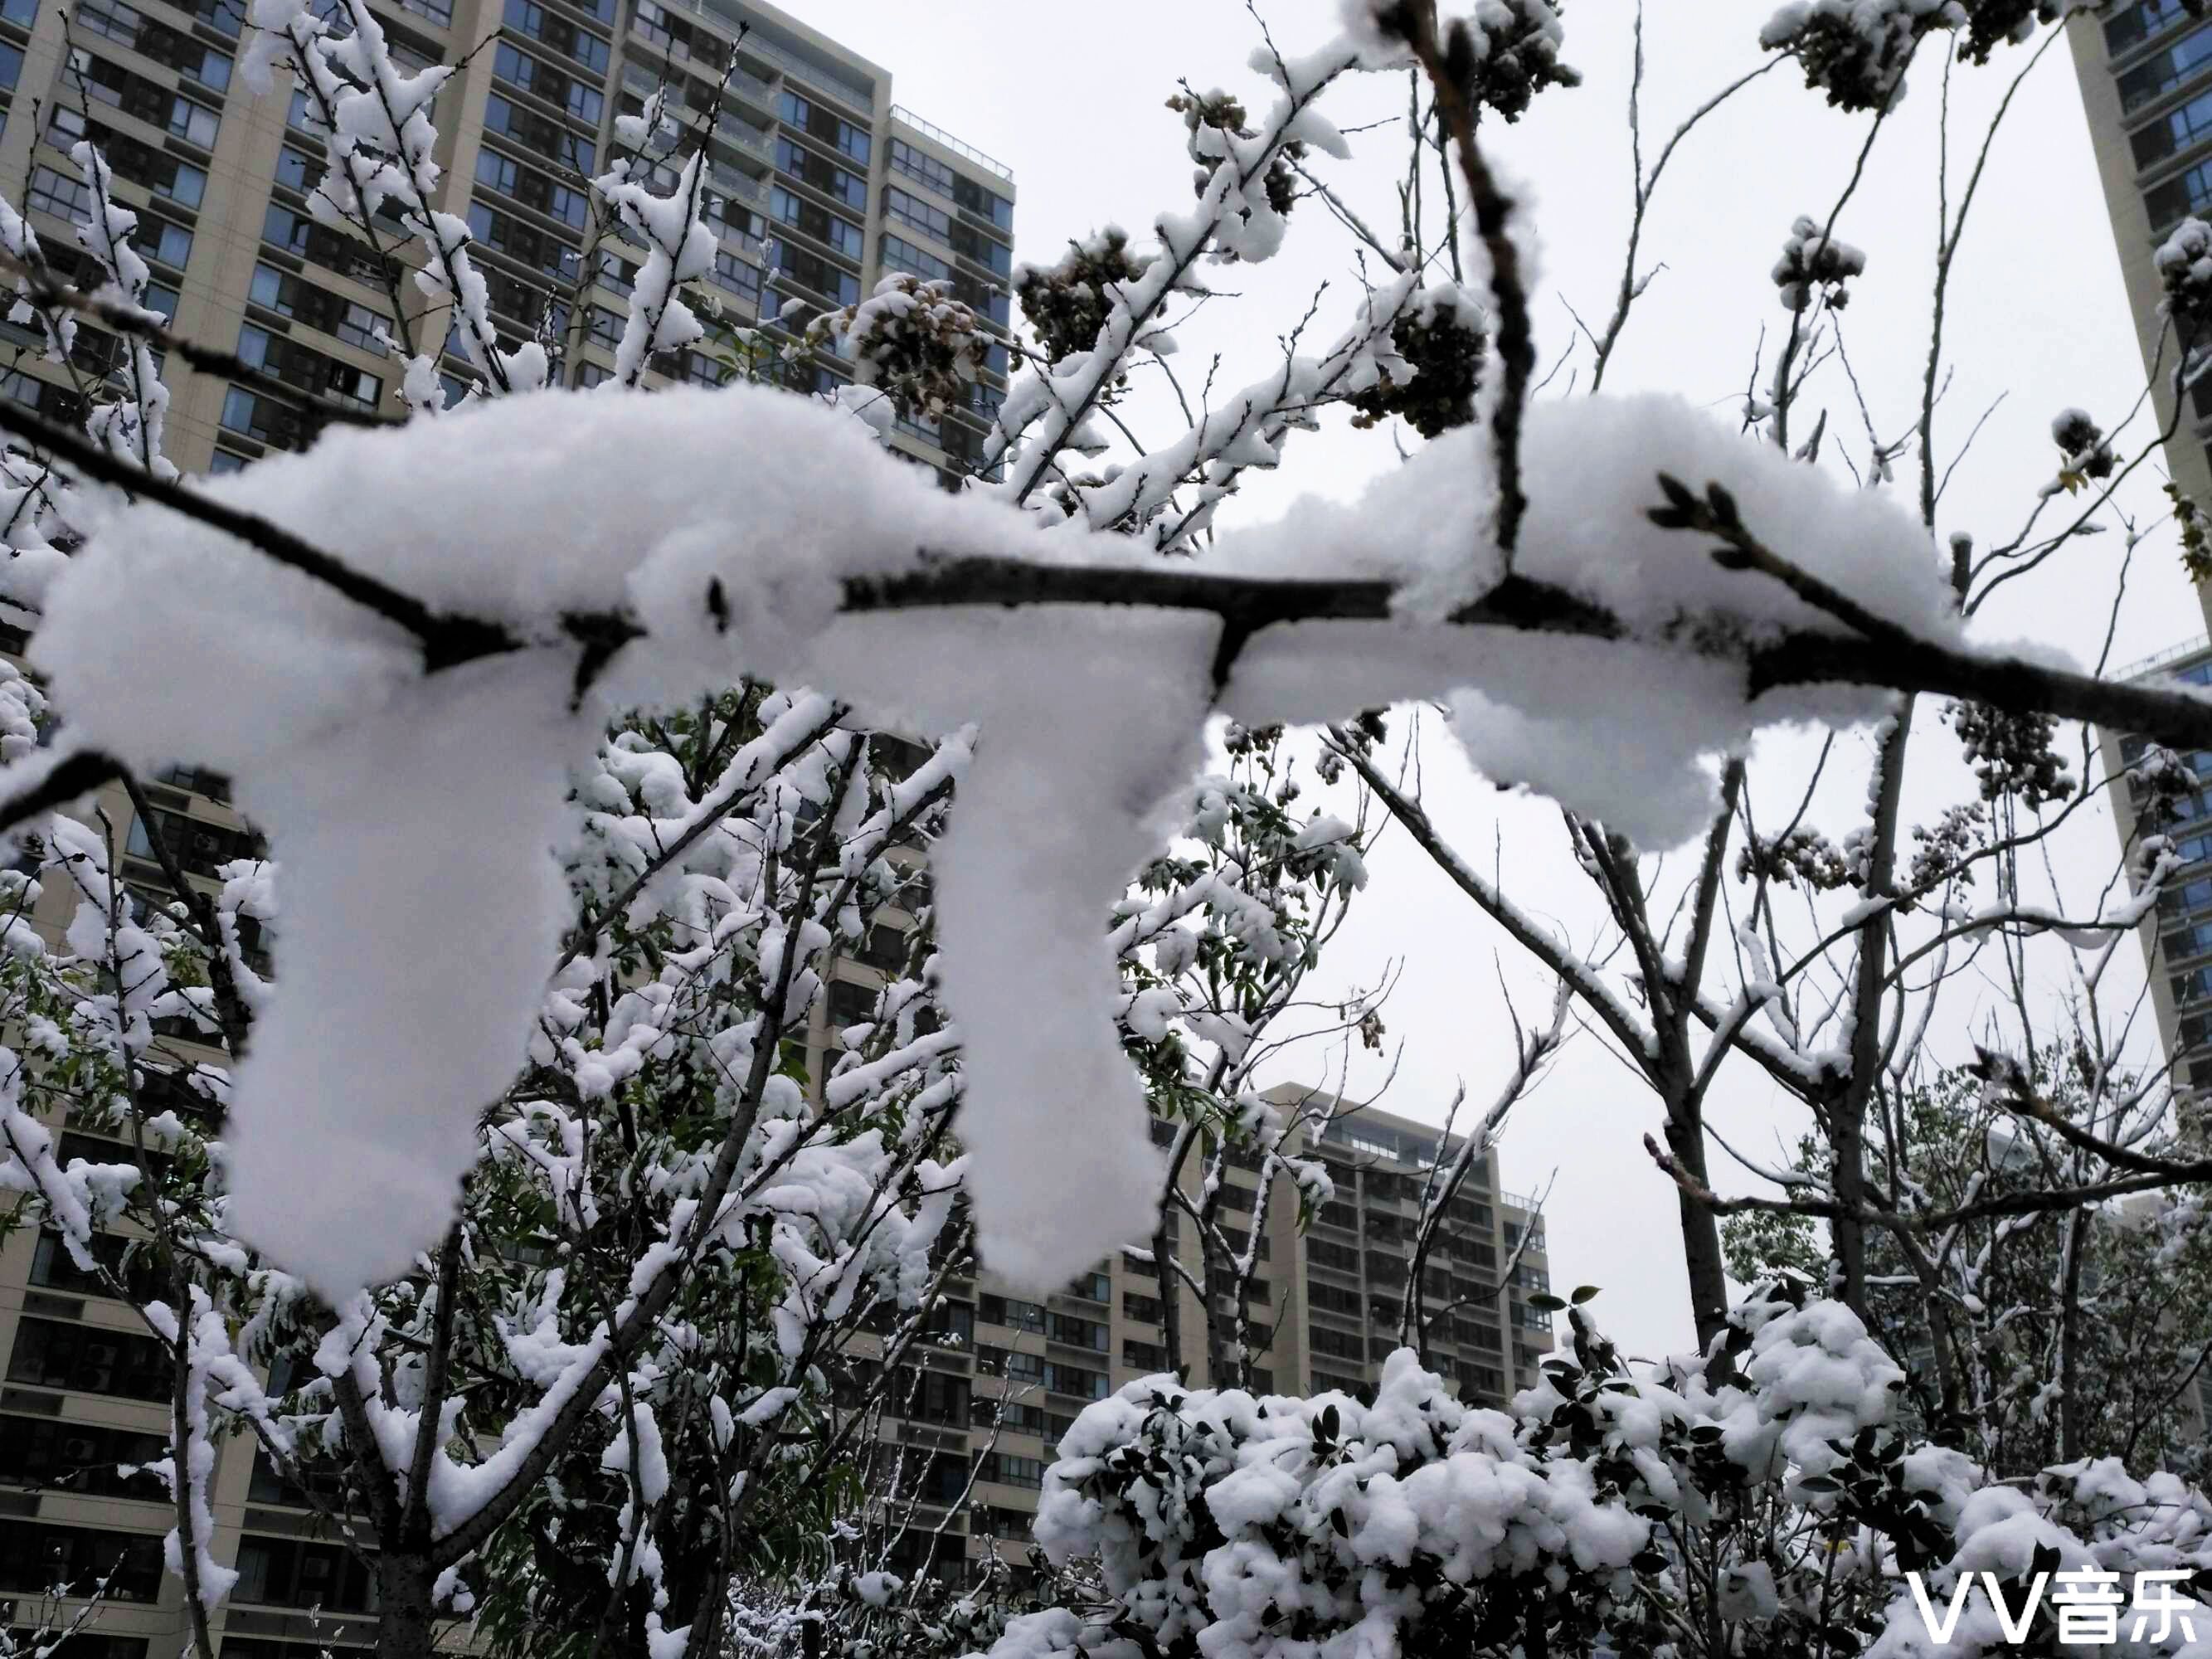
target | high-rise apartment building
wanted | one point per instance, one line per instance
(824, 184)
(2145, 69)
(1013, 1371)
(819, 185)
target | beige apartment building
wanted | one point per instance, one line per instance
(819, 184)
(1013, 1371)
(2145, 71)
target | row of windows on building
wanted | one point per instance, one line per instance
(251, 413)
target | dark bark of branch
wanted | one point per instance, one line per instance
(447, 640)
(230, 1009)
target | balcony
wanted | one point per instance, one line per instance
(734, 185)
(754, 90)
(742, 136)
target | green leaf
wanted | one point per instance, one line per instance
(1582, 1293)
(1545, 1301)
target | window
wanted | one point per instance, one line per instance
(930, 1397)
(913, 211)
(53, 1269)
(1007, 1310)
(536, 248)
(296, 170)
(818, 222)
(735, 276)
(554, 85)
(144, 100)
(1023, 1417)
(923, 169)
(983, 203)
(2174, 131)
(2132, 24)
(812, 271)
(1009, 1470)
(531, 188)
(972, 244)
(265, 420)
(899, 254)
(558, 33)
(11, 65)
(824, 124)
(1342, 1344)
(78, 1457)
(289, 295)
(803, 164)
(2163, 71)
(200, 846)
(1143, 1356)
(536, 133)
(308, 370)
(303, 115)
(297, 234)
(1009, 1363)
(33, 1556)
(289, 1573)
(620, 277)
(1092, 1287)
(65, 198)
(21, 13)
(51, 1355)
(1481, 1382)
(127, 26)
(58, 403)
(1077, 1380)
(1146, 1309)
(1341, 1258)
(1076, 1332)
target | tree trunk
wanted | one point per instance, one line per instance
(2069, 1343)
(1701, 1231)
(408, 1629)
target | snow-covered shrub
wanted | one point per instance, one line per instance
(1444, 340)
(1858, 50)
(912, 340)
(1815, 264)
(1757, 1499)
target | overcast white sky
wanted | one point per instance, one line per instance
(1071, 98)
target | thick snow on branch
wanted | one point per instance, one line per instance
(739, 516)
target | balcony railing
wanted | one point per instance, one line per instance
(737, 186)
(958, 147)
(2159, 660)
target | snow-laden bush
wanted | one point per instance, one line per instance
(1758, 1499)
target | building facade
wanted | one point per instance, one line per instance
(1013, 1371)
(819, 184)
(2145, 71)
(2176, 935)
